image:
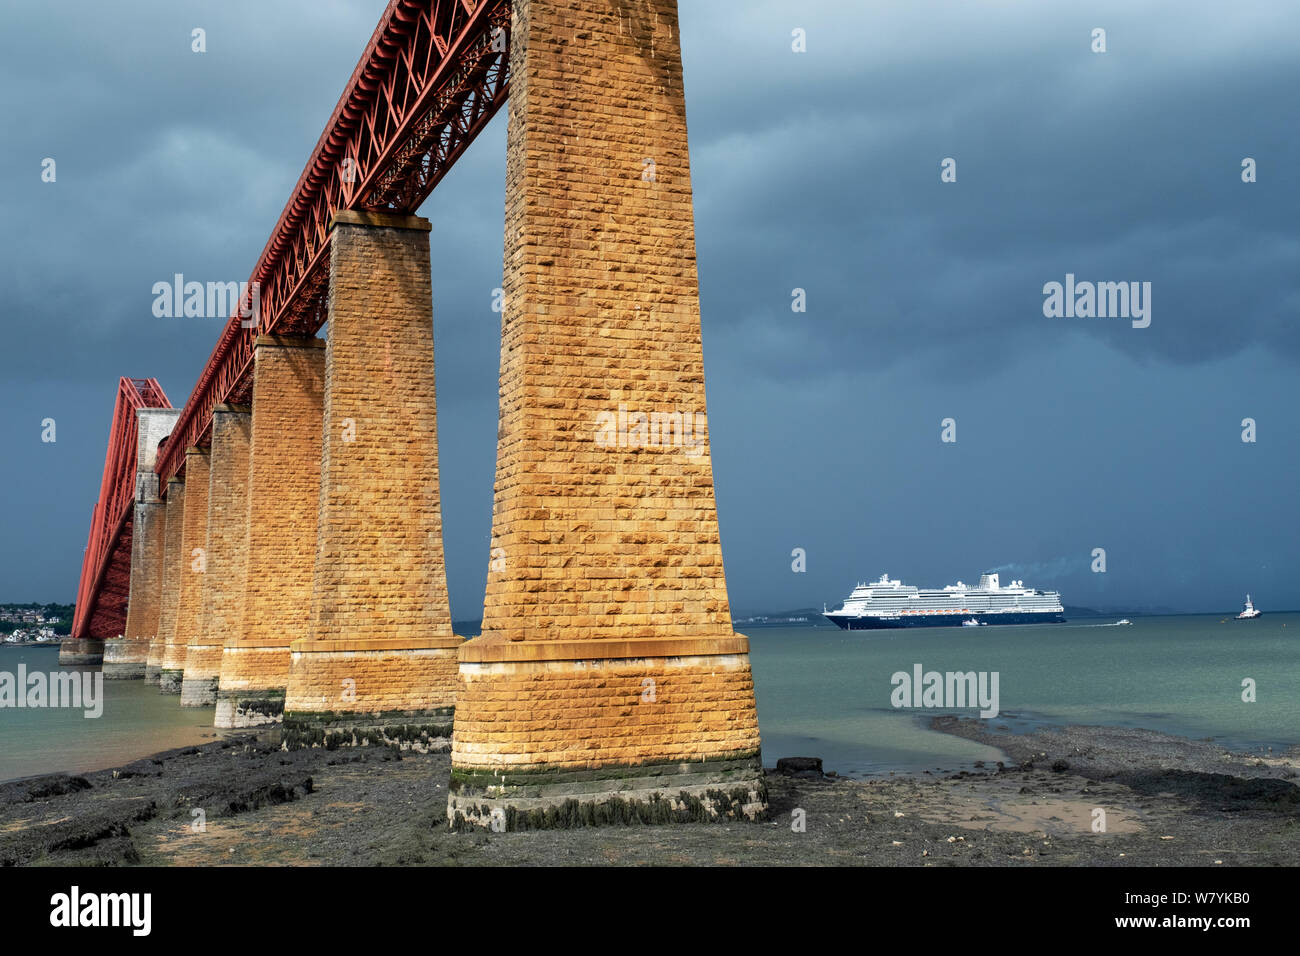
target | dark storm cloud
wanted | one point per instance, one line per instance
(824, 175)
(168, 161)
(817, 171)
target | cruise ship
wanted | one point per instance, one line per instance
(890, 603)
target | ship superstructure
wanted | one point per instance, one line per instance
(891, 603)
(1249, 611)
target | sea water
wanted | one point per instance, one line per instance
(137, 720)
(826, 693)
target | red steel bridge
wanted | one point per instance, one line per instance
(433, 75)
(106, 567)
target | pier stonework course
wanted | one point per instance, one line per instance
(173, 527)
(225, 554)
(81, 652)
(282, 499)
(192, 565)
(128, 655)
(378, 664)
(608, 683)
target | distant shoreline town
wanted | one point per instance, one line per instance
(27, 625)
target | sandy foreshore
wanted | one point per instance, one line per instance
(1166, 801)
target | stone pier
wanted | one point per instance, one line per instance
(608, 683)
(378, 664)
(81, 652)
(126, 656)
(173, 526)
(225, 554)
(191, 569)
(282, 499)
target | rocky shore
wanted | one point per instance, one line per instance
(242, 801)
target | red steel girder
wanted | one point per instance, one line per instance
(433, 75)
(106, 567)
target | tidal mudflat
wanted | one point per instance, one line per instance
(1164, 800)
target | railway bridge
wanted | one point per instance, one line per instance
(273, 549)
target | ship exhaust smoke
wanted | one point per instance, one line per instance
(1044, 570)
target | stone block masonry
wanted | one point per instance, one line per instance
(192, 568)
(659, 739)
(173, 527)
(378, 663)
(282, 500)
(127, 656)
(82, 652)
(226, 554)
(608, 682)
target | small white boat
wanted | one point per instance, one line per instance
(1248, 611)
(1123, 620)
(971, 623)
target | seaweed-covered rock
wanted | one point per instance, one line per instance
(805, 767)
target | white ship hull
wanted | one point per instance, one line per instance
(891, 604)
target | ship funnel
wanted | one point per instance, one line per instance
(989, 581)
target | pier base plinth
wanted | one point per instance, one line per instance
(424, 731)
(125, 659)
(199, 683)
(252, 686)
(237, 710)
(553, 734)
(87, 652)
(726, 788)
(371, 693)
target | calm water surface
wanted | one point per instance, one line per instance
(825, 692)
(137, 721)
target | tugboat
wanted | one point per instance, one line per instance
(1248, 611)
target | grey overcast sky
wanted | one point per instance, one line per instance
(817, 170)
